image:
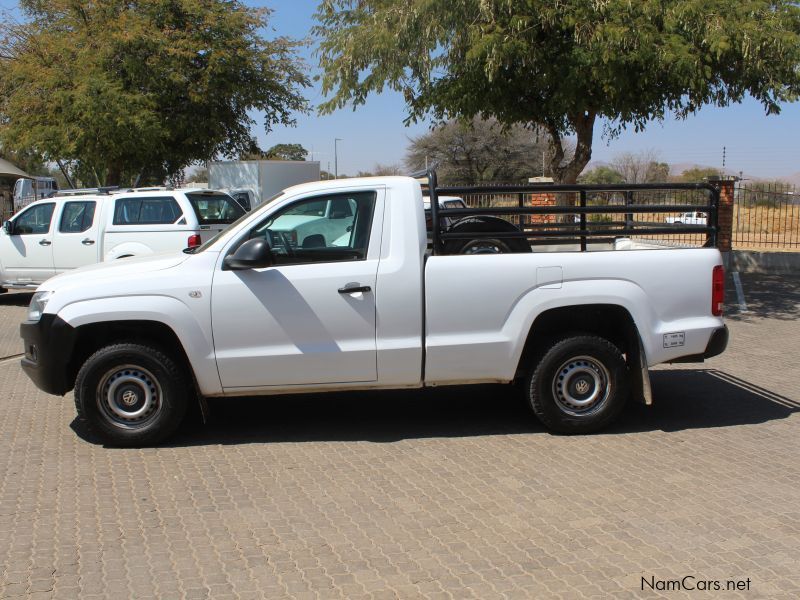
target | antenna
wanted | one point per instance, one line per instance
(723, 157)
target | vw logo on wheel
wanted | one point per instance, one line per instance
(130, 398)
(582, 386)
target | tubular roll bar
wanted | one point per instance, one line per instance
(602, 232)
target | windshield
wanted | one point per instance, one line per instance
(215, 208)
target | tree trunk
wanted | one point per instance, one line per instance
(584, 131)
(113, 174)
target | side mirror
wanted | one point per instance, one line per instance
(253, 254)
(8, 227)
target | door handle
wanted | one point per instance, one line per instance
(45, 242)
(352, 289)
(87, 242)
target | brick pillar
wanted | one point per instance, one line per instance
(725, 213)
(543, 199)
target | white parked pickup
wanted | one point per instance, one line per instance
(264, 309)
(69, 231)
(688, 218)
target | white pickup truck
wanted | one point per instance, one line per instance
(260, 311)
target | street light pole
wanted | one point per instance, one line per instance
(336, 157)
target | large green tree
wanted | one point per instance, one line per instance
(561, 65)
(121, 88)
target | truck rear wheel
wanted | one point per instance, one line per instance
(579, 386)
(131, 395)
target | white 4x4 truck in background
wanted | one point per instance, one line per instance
(262, 309)
(76, 229)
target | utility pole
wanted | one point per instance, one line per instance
(723, 159)
(336, 157)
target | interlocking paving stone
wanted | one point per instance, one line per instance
(449, 493)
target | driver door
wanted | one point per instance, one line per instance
(27, 253)
(310, 318)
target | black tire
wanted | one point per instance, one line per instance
(580, 385)
(131, 395)
(499, 245)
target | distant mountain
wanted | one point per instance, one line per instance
(794, 179)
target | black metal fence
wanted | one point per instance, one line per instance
(766, 216)
(560, 216)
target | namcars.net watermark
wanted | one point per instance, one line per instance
(689, 583)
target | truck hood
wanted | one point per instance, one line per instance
(120, 268)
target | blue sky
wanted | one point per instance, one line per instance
(756, 144)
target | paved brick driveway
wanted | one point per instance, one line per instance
(452, 494)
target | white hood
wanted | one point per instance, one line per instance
(120, 268)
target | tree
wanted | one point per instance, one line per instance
(698, 174)
(141, 88)
(380, 170)
(286, 152)
(601, 174)
(644, 167)
(199, 175)
(561, 65)
(478, 151)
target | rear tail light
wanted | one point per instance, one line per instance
(717, 290)
(195, 241)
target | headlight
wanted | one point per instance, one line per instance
(38, 302)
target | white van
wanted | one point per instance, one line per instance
(30, 190)
(65, 232)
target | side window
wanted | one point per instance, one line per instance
(147, 211)
(327, 229)
(35, 220)
(76, 217)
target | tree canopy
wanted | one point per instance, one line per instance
(479, 151)
(286, 152)
(123, 88)
(600, 175)
(698, 174)
(561, 65)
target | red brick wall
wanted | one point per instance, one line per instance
(542, 199)
(725, 214)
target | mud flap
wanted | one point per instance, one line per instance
(641, 391)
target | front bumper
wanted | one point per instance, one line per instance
(49, 343)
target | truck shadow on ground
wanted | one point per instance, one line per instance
(16, 299)
(683, 399)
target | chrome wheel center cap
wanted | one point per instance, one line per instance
(130, 398)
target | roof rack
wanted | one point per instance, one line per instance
(578, 231)
(85, 191)
(158, 188)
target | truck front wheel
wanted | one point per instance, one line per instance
(131, 395)
(579, 386)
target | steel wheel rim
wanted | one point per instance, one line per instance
(581, 386)
(129, 396)
(486, 247)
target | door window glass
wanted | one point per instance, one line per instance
(76, 217)
(147, 211)
(35, 220)
(320, 229)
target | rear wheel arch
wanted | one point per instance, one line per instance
(612, 322)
